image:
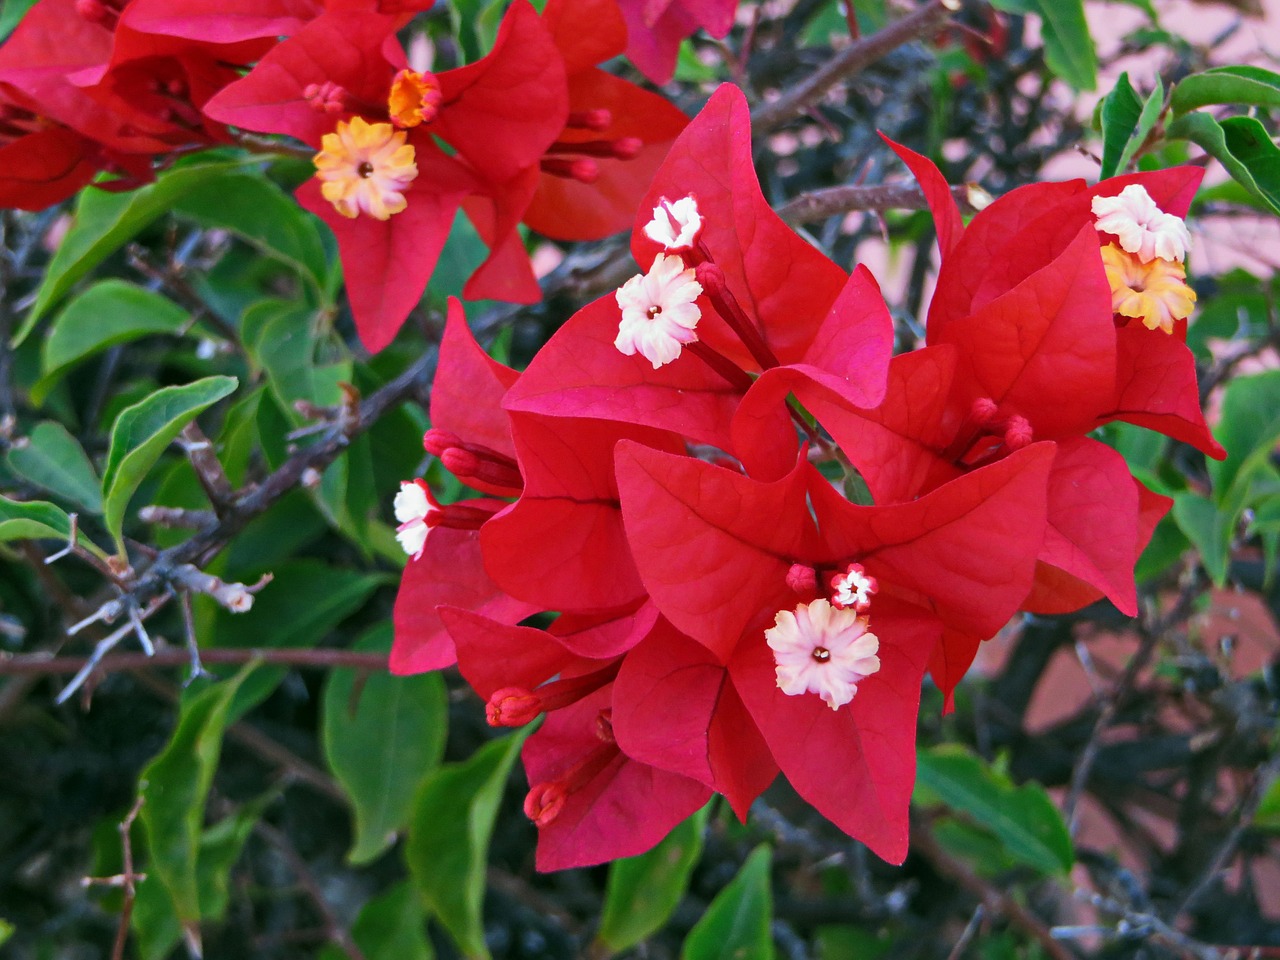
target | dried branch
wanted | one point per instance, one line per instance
(830, 201)
(852, 59)
(43, 664)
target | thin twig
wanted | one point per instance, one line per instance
(337, 932)
(849, 61)
(129, 878)
(40, 664)
(995, 899)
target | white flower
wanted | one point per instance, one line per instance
(852, 589)
(413, 505)
(675, 225)
(659, 314)
(1141, 227)
(822, 650)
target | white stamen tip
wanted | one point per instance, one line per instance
(413, 505)
(675, 225)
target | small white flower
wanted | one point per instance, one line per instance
(853, 589)
(819, 649)
(659, 314)
(675, 225)
(1142, 227)
(413, 505)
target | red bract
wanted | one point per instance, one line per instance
(718, 552)
(655, 29)
(467, 415)
(616, 135)
(1145, 376)
(345, 66)
(771, 302)
(41, 163)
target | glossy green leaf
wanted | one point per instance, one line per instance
(392, 926)
(453, 819)
(53, 460)
(105, 314)
(736, 924)
(1234, 84)
(174, 787)
(643, 891)
(382, 735)
(262, 214)
(1022, 818)
(155, 924)
(143, 431)
(1151, 110)
(284, 346)
(1241, 145)
(1119, 113)
(105, 222)
(32, 520)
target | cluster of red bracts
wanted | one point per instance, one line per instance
(724, 612)
(534, 132)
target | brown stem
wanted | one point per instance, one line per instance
(830, 201)
(849, 61)
(207, 467)
(41, 664)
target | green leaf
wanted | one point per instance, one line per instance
(1248, 428)
(382, 735)
(154, 922)
(1268, 814)
(1234, 84)
(106, 314)
(1241, 145)
(106, 221)
(11, 13)
(262, 214)
(53, 460)
(306, 600)
(6, 931)
(284, 346)
(644, 891)
(1068, 47)
(143, 431)
(32, 520)
(392, 926)
(736, 925)
(174, 787)
(1022, 818)
(449, 836)
(1209, 529)
(1119, 111)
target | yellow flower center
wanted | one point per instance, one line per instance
(415, 98)
(365, 167)
(1155, 293)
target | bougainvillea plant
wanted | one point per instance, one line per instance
(674, 459)
(768, 473)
